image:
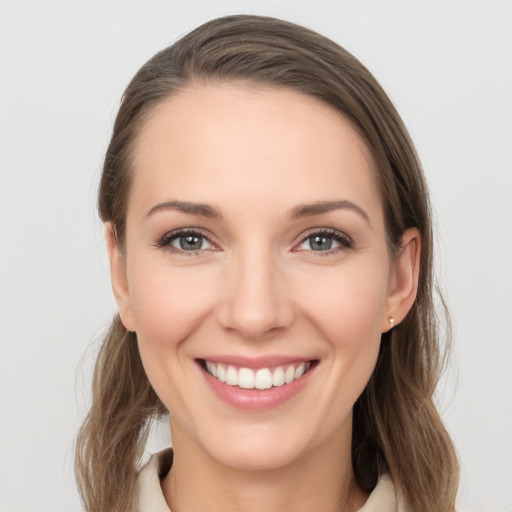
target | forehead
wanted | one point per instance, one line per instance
(213, 138)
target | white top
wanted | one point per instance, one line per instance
(150, 497)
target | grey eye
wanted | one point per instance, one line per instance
(191, 242)
(319, 242)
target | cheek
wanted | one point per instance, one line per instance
(167, 303)
(168, 306)
(347, 304)
(347, 309)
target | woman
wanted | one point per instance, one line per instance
(269, 236)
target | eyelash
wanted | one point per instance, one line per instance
(166, 241)
(344, 240)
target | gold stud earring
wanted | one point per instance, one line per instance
(391, 321)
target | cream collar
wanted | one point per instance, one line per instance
(150, 497)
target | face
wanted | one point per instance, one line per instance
(255, 271)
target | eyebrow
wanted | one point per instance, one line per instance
(300, 211)
(308, 210)
(204, 210)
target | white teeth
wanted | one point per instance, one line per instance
(299, 371)
(278, 377)
(245, 378)
(232, 376)
(289, 374)
(221, 373)
(263, 378)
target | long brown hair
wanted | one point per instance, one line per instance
(396, 425)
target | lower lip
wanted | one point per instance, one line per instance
(256, 399)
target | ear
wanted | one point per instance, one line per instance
(404, 279)
(119, 278)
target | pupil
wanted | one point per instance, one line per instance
(191, 242)
(319, 243)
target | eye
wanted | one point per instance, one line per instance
(325, 241)
(185, 241)
(190, 242)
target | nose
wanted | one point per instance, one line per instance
(256, 301)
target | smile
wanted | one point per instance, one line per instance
(261, 378)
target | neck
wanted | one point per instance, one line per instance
(319, 480)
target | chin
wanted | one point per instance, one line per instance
(249, 456)
(262, 447)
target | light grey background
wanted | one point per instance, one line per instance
(447, 66)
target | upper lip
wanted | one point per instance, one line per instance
(255, 363)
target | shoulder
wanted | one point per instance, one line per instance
(383, 498)
(148, 494)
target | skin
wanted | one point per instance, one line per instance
(256, 287)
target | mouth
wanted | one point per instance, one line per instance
(263, 378)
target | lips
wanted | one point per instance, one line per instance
(259, 378)
(256, 384)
